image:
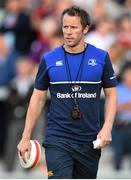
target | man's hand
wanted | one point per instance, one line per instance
(24, 146)
(37, 102)
(105, 136)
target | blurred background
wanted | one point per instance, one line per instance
(29, 28)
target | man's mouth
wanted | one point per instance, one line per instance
(69, 39)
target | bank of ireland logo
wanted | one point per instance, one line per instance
(92, 62)
(76, 88)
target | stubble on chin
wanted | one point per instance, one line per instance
(71, 45)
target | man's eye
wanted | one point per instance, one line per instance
(74, 27)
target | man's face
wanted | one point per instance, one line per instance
(72, 30)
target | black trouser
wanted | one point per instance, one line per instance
(67, 161)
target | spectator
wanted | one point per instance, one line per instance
(7, 72)
(103, 37)
(122, 129)
(20, 90)
(16, 23)
(44, 39)
(124, 32)
(45, 8)
(116, 53)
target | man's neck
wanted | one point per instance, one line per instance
(75, 49)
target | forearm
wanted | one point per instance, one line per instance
(33, 113)
(110, 109)
(110, 112)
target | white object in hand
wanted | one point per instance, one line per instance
(96, 143)
(34, 155)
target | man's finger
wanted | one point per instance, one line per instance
(28, 152)
(22, 156)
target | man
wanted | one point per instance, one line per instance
(75, 73)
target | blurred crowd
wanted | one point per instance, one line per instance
(29, 28)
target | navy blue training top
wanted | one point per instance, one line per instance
(97, 72)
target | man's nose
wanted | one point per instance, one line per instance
(69, 31)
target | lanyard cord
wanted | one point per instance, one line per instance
(80, 70)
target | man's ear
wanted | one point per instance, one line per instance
(85, 30)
